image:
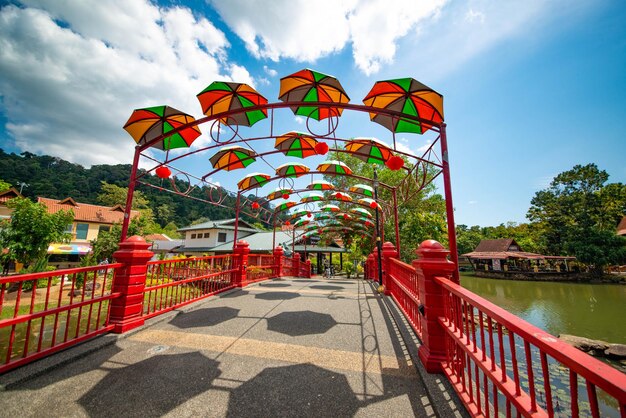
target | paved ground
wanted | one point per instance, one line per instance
(286, 347)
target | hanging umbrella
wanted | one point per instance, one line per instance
(362, 212)
(323, 216)
(334, 167)
(366, 222)
(362, 189)
(146, 124)
(223, 96)
(292, 170)
(312, 197)
(301, 222)
(296, 144)
(370, 150)
(312, 226)
(320, 185)
(232, 158)
(299, 213)
(253, 180)
(312, 86)
(407, 96)
(369, 202)
(341, 196)
(279, 193)
(330, 208)
(284, 206)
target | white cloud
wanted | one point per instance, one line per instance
(68, 88)
(270, 71)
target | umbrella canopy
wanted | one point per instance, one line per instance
(334, 167)
(312, 197)
(362, 189)
(330, 208)
(284, 206)
(370, 150)
(302, 222)
(253, 180)
(369, 202)
(146, 124)
(362, 212)
(223, 96)
(299, 213)
(320, 185)
(341, 196)
(366, 222)
(323, 216)
(232, 158)
(407, 96)
(279, 193)
(296, 144)
(312, 86)
(292, 170)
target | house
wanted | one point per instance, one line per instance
(5, 196)
(203, 238)
(621, 228)
(163, 246)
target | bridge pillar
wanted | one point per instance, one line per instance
(432, 261)
(308, 268)
(130, 281)
(371, 266)
(295, 263)
(389, 252)
(278, 261)
(240, 262)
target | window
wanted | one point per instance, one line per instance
(193, 236)
(103, 228)
(221, 237)
(207, 234)
(81, 231)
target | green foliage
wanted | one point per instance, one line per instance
(4, 186)
(111, 195)
(32, 229)
(349, 268)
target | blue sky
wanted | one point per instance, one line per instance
(531, 88)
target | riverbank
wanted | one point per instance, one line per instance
(551, 277)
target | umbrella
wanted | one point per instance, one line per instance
(284, 206)
(323, 216)
(301, 222)
(330, 208)
(407, 96)
(334, 167)
(312, 197)
(253, 180)
(292, 170)
(299, 213)
(144, 125)
(341, 196)
(320, 185)
(366, 222)
(312, 86)
(222, 96)
(362, 212)
(362, 189)
(370, 150)
(279, 193)
(232, 158)
(369, 202)
(296, 144)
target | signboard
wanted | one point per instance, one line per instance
(314, 240)
(496, 265)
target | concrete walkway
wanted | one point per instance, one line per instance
(281, 348)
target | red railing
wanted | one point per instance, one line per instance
(260, 267)
(174, 283)
(500, 364)
(42, 313)
(402, 286)
(288, 265)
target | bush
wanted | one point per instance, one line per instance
(349, 268)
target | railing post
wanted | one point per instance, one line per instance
(432, 261)
(130, 281)
(278, 260)
(240, 262)
(308, 268)
(295, 265)
(371, 261)
(389, 252)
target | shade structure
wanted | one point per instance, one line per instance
(361, 212)
(232, 158)
(320, 185)
(253, 180)
(312, 197)
(409, 97)
(223, 96)
(330, 208)
(296, 144)
(312, 86)
(279, 193)
(285, 206)
(292, 170)
(334, 167)
(147, 124)
(344, 197)
(370, 150)
(362, 189)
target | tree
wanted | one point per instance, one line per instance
(111, 195)
(32, 229)
(4, 186)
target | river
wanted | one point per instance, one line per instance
(596, 311)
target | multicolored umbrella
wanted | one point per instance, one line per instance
(285, 206)
(299, 213)
(362, 212)
(279, 193)
(296, 144)
(292, 170)
(408, 96)
(146, 124)
(334, 167)
(330, 208)
(312, 197)
(253, 180)
(312, 86)
(366, 222)
(344, 197)
(362, 189)
(320, 185)
(223, 96)
(323, 216)
(370, 150)
(369, 202)
(232, 158)
(302, 222)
